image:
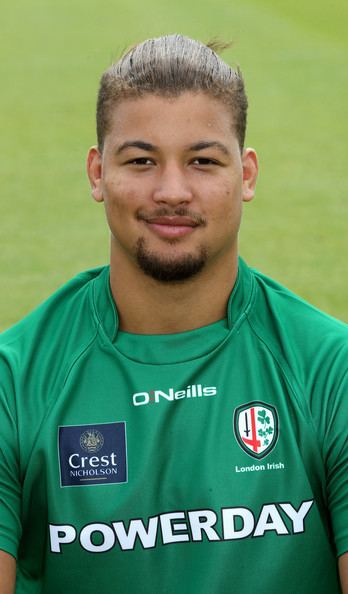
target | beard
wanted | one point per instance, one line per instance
(169, 270)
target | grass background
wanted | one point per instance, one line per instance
(293, 56)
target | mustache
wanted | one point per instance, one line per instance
(164, 211)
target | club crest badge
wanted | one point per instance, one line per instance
(256, 428)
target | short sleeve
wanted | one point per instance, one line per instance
(10, 491)
(335, 451)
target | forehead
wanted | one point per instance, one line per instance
(186, 117)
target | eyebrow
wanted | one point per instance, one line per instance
(140, 144)
(198, 146)
(204, 144)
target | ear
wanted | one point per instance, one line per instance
(94, 172)
(250, 171)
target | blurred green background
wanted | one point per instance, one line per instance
(294, 59)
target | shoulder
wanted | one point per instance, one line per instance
(298, 334)
(275, 300)
(65, 318)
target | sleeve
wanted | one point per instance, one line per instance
(335, 452)
(10, 490)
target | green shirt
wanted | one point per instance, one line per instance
(206, 462)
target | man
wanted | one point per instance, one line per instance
(176, 422)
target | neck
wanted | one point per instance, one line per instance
(147, 306)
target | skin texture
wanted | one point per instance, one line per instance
(343, 569)
(7, 573)
(186, 160)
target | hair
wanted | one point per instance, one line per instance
(169, 66)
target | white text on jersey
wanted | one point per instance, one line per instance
(155, 396)
(235, 523)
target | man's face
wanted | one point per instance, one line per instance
(173, 180)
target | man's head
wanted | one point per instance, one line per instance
(169, 66)
(170, 165)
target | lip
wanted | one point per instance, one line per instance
(171, 227)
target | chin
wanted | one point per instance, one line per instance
(171, 269)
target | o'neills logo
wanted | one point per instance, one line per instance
(155, 396)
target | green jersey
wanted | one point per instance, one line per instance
(207, 462)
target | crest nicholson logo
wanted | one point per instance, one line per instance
(92, 454)
(256, 428)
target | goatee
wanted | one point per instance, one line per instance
(169, 270)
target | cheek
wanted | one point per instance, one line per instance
(116, 197)
(124, 192)
(121, 203)
(226, 205)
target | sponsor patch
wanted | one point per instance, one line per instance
(256, 428)
(196, 525)
(92, 454)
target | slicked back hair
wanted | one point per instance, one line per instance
(169, 66)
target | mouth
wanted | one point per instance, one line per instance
(171, 227)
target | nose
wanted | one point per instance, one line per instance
(173, 186)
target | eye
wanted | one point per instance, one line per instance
(140, 161)
(203, 161)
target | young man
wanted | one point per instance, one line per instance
(175, 422)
